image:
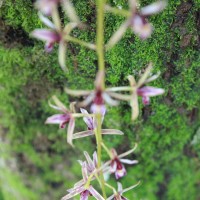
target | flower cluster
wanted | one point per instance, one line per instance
(94, 169)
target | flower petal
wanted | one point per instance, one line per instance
(70, 131)
(128, 152)
(117, 35)
(95, 159)
(48, 47)
(58, 119)
(119, 173)
(113, 167)
(83, 134)
(84, 195)
(88, 120)
(119, 186)
(88, 99)
(153, 8)
(145, 75)
(84, 171)
(46, 35)
(62, 55)
(89, 160)
(141, 27)
(46, 21)
(134, 106)
(130, 162)
(130, 188)
(146, 100)
(95, 194)
(73, 193)
(70, 11)
(77, 92)
(109, 100)
(111, 132)
(152, 78)
(148, 91)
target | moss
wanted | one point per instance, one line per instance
(165, 130)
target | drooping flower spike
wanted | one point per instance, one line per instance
(118, 195)
(116, 162)
(137, 20)
(139, 89)
(91, 126)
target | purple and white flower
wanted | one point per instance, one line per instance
(139, 22)
(62, 119)
(97, 98)
(139, 89)
(116, 165)
(54, 35)
(137, 19)
(92, 125)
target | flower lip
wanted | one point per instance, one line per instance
(98, 100)
(148, 91)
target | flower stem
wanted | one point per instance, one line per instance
(101, 66)
(100, 36)
(99, 151)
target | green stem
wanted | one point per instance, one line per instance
(99, 151)
(100, 37)
(101, 66)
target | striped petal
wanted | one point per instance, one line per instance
(95, 194)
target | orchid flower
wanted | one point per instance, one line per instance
(116, 162)
(137, 20)
(118, 195)
(54, 35)
(91, 126)
(99, 96)
(82, 187)
(139, 89)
